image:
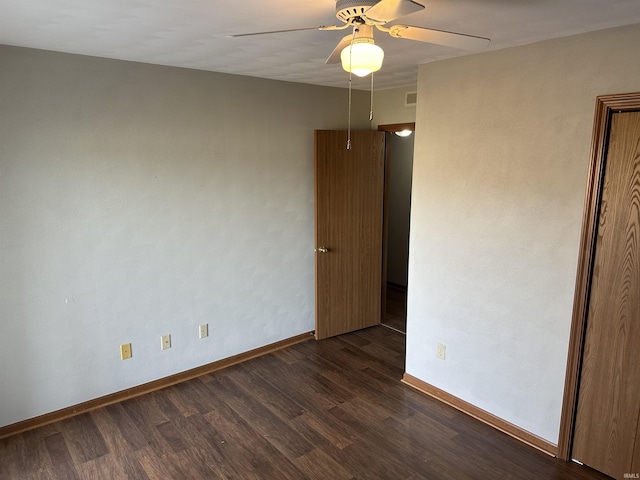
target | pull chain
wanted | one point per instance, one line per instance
(355, 30)
(371, 109)
(349, 120)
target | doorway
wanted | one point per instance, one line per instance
(398, 177)
(351, 197)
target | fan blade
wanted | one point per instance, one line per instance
(322, 27)
(386, 11)
(335, 55)
(439, 37)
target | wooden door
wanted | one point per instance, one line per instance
(606, 425)
(349, 188)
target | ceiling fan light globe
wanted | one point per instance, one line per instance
(362, 58)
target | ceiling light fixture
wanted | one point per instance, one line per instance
(404, 133)
(362, 56)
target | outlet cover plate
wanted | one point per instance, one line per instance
(204, 330)
(165, 341)
(125, 351)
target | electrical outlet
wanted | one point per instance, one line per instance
(441, 351)
(204, 330)
(125, 351)
(165, 341)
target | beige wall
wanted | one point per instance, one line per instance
(139, 200)
(500, 168)
(389, 107)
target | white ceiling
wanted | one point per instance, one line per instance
(192, 33)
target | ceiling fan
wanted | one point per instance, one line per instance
(364, 15)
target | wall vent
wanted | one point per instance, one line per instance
(410, 99)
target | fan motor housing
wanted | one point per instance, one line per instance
(347, 10)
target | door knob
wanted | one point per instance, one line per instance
(322, 249)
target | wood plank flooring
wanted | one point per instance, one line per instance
(333, 409)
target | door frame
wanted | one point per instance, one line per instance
(389, 129)
(606, 105)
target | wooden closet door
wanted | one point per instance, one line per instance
(609, 396)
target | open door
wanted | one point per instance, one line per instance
(349, 188)
(600, 424)
(607, 422)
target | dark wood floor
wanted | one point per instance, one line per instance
(396, 308)
(333, 409)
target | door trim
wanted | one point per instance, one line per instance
(606, 105)
(398, 127)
